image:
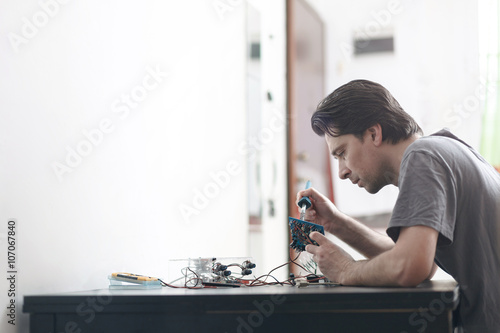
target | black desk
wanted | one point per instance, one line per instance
(246, 310)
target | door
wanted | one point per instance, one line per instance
(308, 157)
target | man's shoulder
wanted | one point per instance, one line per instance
(439, 143)
(448, 151)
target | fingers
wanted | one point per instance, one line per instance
(304, 193)
(312, 249)
(312, 193)
(318, 237)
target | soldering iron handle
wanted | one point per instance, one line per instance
(305, 200)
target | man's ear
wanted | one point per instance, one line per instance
(374, 134)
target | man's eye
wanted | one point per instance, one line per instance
(338, 155)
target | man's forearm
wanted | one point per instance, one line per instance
(373, 272)
(368, 242)
(407, 264)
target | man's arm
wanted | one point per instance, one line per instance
(409, 262)
(363, 239)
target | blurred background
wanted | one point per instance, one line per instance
(136, 133)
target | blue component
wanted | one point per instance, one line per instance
(250, 265)
(300, 233)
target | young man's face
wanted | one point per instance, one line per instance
(359, 160)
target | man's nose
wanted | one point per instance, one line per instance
(344, 171)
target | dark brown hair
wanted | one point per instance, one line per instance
(358, 105)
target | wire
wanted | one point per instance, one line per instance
(190, 275)
(164, 284)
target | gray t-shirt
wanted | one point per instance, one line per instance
(448, 186)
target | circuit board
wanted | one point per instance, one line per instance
(300, 233)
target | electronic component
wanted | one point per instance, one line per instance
(248, 264)
(292, 279)
(301, 229)
(302, 282)
(300, 233)
(212, 272)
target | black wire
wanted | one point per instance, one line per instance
(257, 281)
(272, 270)
(264, 282)
(197, 279)
(293, 261)
(164, 284)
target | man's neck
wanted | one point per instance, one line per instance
(396, 155)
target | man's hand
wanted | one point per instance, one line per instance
(363, 239)
(322, 210)
(331, 259)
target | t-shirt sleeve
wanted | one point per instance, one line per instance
(427, 196)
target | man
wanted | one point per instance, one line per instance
(447, 212)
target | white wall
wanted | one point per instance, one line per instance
(118, 208)
(434, 71)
